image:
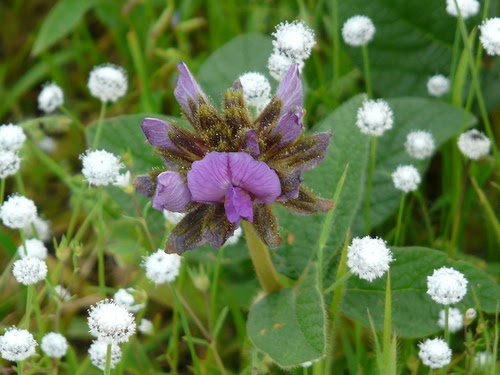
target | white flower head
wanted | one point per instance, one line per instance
(368, 258)
(490, 35)
(145, 327)
(406, 178)
(54, 345)
(474, 144)
(34, 248)
(29, 270)
(98, 351)
(294, 40)
(358, 31)
(447, 286)
(173, 217)
(483, 360)
(279, 64)
(10, 162)
(438, 85)
(108, 82)
(420, 144)
(123, 180)
(256, 89)
(17, 211)
(62, 292)
(470, 314)
(42, 228)
(468, 8)
(47, 144)
(233, 240)
(125, 298)
(50, 98)
(375, 117)
(110, 323)
(455, 320)
(100, 167)
(162, 267)
(12, 137)
(435, 353)
(17, 344)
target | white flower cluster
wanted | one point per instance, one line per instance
(145, 327)
(438, 85)
(474, 144)
(54, 345)
(420, 144)
(368, 258)
(34, 248)
(12, 138)
(406, 178)
(100, 167)
(125, 298)
(98, 351)
(292, 45)
(17, 212)
(108, 82)
(110, 323)
(9, 163)
(490, 35)
(50, 98)
(455, 320)
(256, 89)
(358, 31)
(17, 344)
(29, 270)
(162, 267)
(375, 117)
(435, 353)
(447, 286)
(467, 8)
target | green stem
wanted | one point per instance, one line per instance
(107, 368)
(488, 210)
(457, 213)
(38, 315)
(29, 306)
(446, 324)
(400, 219)
(73, 118)
(75, 213)
(2, 190)
(100, 245)
(214, 288)
(338, 282)
(335, 41)
(386, 338)
(261, 259)
(366, 67)
(95, 144)
(373, 153)
(19, 183)
(427, 221)
(20, 367)
(456, 48)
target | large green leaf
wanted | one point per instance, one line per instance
(348, 147)
(61, 20)
(290, 325)
(441, 119)
(414, 313)
(245, 53)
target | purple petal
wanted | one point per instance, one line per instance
(252, 143)
(209, 178)
(188, 90)
(238, 204)
(290, 90)
(145, 185)
(172, 192)
(156, 132)
(289, 126)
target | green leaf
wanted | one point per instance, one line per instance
(348, 146)
(61, 19)
(245, 53)
(290, 325)
(414, 313)
(441, 119)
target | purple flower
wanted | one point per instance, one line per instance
(232, 167)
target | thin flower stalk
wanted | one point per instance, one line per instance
(399, 222)
(107, 368)
(366, 67)
(489, 211)
(97, 138)
(100, 242)
(388, 361)
(373, 155)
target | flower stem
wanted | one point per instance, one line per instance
(29, 306)
(100, 245)
(107, 368)
(373, 153)
(366, 67)
(427, 220)
(20, 365)
(386, 338)
(72, 116)
(261, 259)
(95, 144)
(335, 41)
(2, 190)
(446, 324)
(400, 219)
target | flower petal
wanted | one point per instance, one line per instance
(238, 205)
(252, 143)
(290, 183)
(209, 178)
(156, 132)
(290, 90)
(172, 193)
(289, 127)
(145, 185)
(188, 92)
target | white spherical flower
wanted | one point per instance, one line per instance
(98, 351)
(10, 162)
(470, 314)
(233, 240)
(368, 258)
(438, 85)
(108, 82)
(100, 167)
(17, 344)
(435, 353)
(406, 178)
(173, 217)
(446, 286)
(483, 360)
(145, 327)
(420, 144)
(47, 144)
(110, 323)
(162, 267)
(256, 89)
(490, 35)
(279, 64)
(17, 212)
(123, 180)
(42, 228)
(455, 320)
(34, 248)
(294, 40)
(12, 137)
(474, 144)
(375, 117)
(468, 8)
(358, 31)
(50, 98)
(29, 270)
(54, 345)
(63, 293)
(125, 298)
